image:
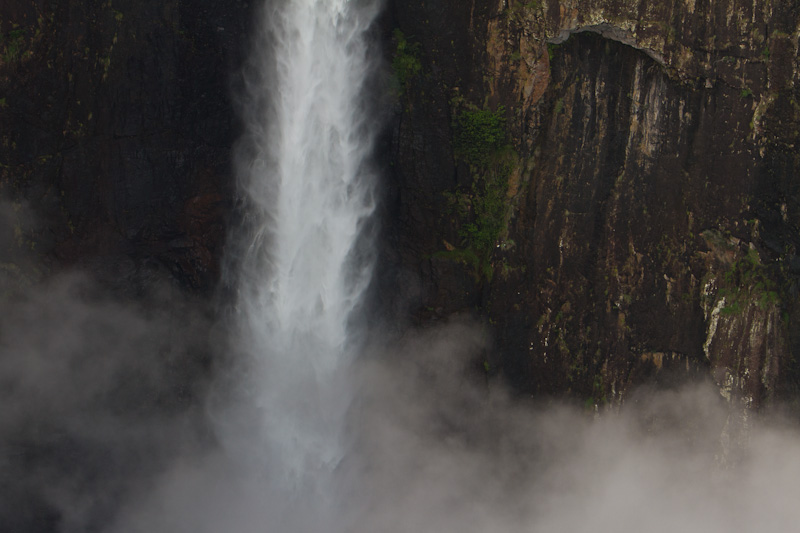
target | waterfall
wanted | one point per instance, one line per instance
(308, 194)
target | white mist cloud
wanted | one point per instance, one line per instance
(105, 425)
(443, 452)
(95, 396)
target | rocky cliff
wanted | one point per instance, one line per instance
(116, 127)
(612, 185)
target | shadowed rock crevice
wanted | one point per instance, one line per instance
(607, 31)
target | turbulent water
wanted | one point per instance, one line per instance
(309, 191)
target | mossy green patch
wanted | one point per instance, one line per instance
(12, 44)
(481, 141)
(520, 9)
(406, 62)
(747, 280)
(479, 135)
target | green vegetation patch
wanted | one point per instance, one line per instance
(551, 50)
(488, 203)
(747, 280)
(12, 45)
(520, 9)
(406, 62)
(480, 134)
(481, 141)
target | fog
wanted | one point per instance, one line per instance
(110, 421)
(96, 396)
(450, 453)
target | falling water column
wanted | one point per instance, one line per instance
(308, 191)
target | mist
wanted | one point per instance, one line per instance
(97, 436)
(447, 451)
(98, 393)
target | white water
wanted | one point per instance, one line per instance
(304, 269)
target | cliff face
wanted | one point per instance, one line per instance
(115, 134)
(116, 131)
(649, 226)
(611, 184)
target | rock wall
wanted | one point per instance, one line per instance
(116, 131)
(116, 128)
(635, 216)
(650, 221)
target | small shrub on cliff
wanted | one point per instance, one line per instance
(748, 280)
(519, 10)
(489, 210)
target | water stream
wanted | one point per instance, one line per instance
(309, 191)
